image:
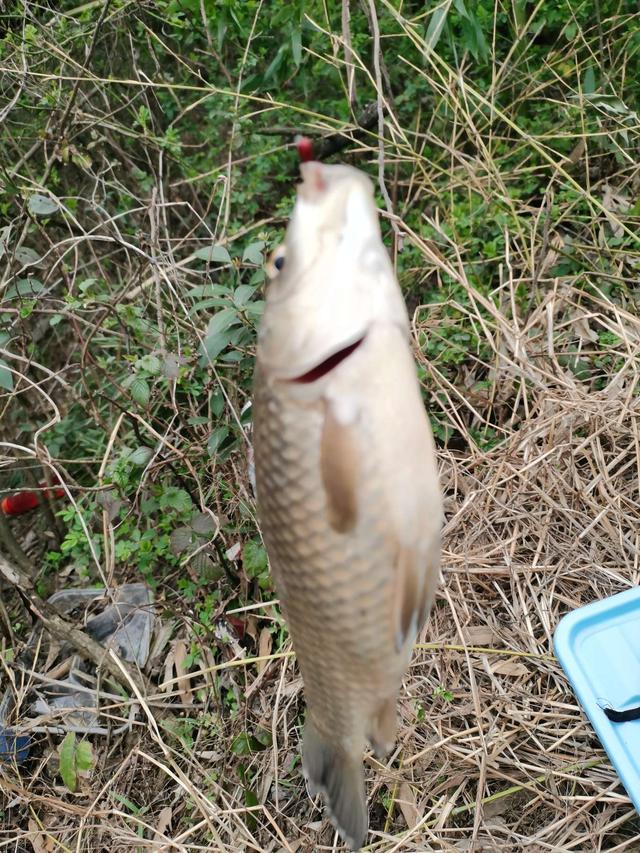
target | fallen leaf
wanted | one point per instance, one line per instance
(179, 661)
(580, 324)
(408, 806)
(40, 842)
(478, 635)
(237, 625)
(251, 627)
(577, 151)
(168, 672)
(264, 648)
(494, 808)
(161, 637)
(292, 688)
(234, 552)
(164, 820)
(612, 201)
(509, 667)
(556, 244)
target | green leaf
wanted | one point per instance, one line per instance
(203, 524)
(250, 798)
(81, 159)
(204, 304)
(27, 257)
(259, 277)
(263, 737)
(206, 568)
(570, 31)
(461, 8)
(219, 332)
(133, 808)
(217, 254)
(86, 283)
(222, 320)
(275, 64)
(436, 25)
(473, 38)
(253, 253)
(242, 745)
(140, 390)
(611, 104)
(255, 309)
(181, 540)
(140, 456)
(296, 45)
(483, 47)
(174, 498)
(6, 376)
(589, 81)
(42, 205)
(243, 294)
(69, 766)
(520, 13)
(216, 438)
(84, 756)
(214, 344)
(217, 401)
(24, 287)
(207, 290)
(149, 363)
(254, 559)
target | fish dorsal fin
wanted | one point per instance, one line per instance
(339, 467)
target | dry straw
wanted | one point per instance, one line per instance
(540, 473)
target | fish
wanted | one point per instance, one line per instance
(348, 495)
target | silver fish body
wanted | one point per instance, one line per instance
(348, 493)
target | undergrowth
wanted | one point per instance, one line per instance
(147, 170)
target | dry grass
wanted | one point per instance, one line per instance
(540, 469)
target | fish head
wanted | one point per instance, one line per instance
(336, 278)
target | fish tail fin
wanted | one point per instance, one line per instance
(339, 776)
(382, 733)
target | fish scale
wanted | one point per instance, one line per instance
(327, 632)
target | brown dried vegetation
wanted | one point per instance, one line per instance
(528, 343)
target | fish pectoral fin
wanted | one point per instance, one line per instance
(339, 468)
(339, 776)
(411, 596)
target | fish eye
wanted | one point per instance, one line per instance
(276, 261)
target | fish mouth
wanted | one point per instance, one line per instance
(328, 364)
